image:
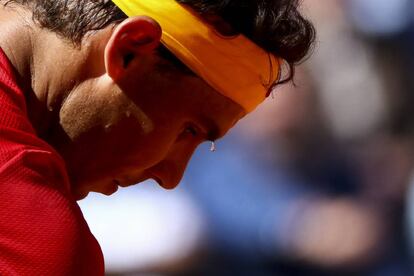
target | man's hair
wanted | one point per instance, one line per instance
(275, 25)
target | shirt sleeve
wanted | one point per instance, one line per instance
(42, 230)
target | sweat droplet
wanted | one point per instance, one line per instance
(213, 147)
(108, 128)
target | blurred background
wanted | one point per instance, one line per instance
(318, 181)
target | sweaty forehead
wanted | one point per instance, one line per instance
(216, 111)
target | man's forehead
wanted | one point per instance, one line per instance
(216, 112)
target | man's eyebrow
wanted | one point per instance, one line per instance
(213, 130)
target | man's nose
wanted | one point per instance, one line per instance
(169, 172)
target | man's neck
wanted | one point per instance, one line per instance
(16, 41)
(47, 66)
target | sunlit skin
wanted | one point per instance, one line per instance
(116, 111)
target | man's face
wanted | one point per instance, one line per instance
(146, 126)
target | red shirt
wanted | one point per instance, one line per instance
(42, 229)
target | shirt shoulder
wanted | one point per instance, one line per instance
(43, 231)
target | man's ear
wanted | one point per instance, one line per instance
(133, 37)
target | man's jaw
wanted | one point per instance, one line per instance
(110, 186)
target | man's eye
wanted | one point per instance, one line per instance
(191, 130)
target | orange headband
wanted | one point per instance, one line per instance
(234, 66)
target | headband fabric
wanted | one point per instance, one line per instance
(234, 66)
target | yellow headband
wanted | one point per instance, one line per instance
(234, 66)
